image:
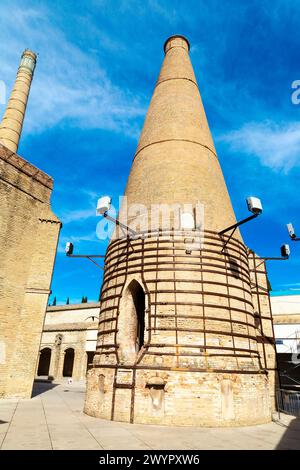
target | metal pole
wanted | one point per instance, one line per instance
(234, 226)
(117, 222)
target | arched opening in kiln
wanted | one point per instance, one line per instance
(131, 326)
(44, 362)
(68, 362)
(138, 297)
(136, 304)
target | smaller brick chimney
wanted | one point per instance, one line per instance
(12, 122)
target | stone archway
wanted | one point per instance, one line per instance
(44, 362)
(68, 362)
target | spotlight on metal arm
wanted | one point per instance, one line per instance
(292, 234)
(69, 252)
(103, 207)
(285, 254)
(254, 206)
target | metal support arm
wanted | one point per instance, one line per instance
(272, 259)
(117, 222)
(89, 257)
(237, 224)
(86, 256)
(234, 227)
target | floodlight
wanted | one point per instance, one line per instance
(103, 205)
(285, 251)
(254, 205)
(69, 248)
(291, 231)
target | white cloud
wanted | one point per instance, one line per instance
(87, 237)
(76, 215)
(70, 215)
(69, 83)
(294, 286)
(277, 146)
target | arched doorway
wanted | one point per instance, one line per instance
(44, 362)
(131, 336)
(68, 362)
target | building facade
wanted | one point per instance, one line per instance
(286, 315)
(76, 326)
(185, 332)
(28, 239)
(68, 341)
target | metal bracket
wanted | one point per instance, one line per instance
(89, 257)
(123, 226)
(234, 227)
(275, 258)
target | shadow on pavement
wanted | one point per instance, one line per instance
(42, 387)
(291, 438)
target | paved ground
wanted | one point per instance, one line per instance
(53, 419)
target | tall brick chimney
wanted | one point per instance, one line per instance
(12, 122)
(28, 241)
(176, 161)
(185, 332)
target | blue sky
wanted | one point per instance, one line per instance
(97, 65)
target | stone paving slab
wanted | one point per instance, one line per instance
(53, 419)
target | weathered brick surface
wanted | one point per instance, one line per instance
(28, 238)
(201, 361)
(201, 338)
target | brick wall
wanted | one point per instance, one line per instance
(202, 361)
(28, 239)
